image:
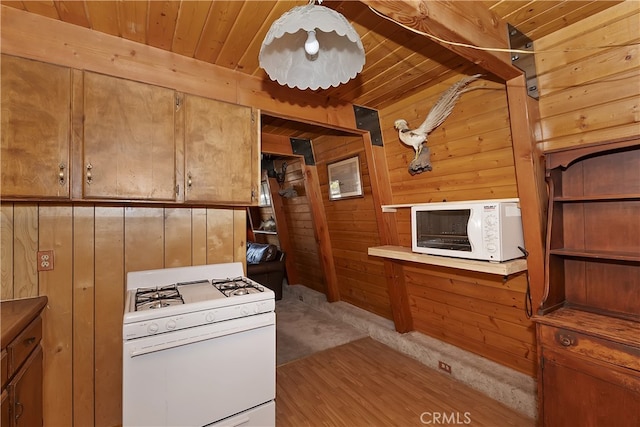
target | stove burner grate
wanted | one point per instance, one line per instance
(236, 286)
(157, 297)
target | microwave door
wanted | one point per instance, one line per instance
(445, 229)
(474, 233)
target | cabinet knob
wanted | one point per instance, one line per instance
(566, 340)
(61, 176)
(89, 177)
(19, 410)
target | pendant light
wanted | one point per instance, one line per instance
(311, 47)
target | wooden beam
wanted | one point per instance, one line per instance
(393, 271)
(530, 176)
(276, 144)
(467, 22)
(321, 231)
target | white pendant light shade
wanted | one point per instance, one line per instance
(287, 52)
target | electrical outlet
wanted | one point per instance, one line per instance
(300, 298)
(444, 367)
(45, 260)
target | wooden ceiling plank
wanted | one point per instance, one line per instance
(506, 9)
(398, 45)
(44, 8)
(189, 26)
(163, 16)
(456, 66)
(221, 17)
(103, 16)
(132, 17)
(73, 12)
(445, 20)
(398, 67)
(531, 13)
(16, 4)
(252, 15)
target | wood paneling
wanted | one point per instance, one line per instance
(476, 312)
(353, 229)
(83, 314)
(590, 95)
(55, 232)
(94, 247)
(472, 159)
(110, 238)
(399, 61)
(304, 253)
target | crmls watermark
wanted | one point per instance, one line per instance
(445, 418)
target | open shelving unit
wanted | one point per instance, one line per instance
(588, 326)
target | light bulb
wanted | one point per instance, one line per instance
(311, 46)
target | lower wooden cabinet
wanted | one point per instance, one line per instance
(25, 392)
(5, 411)
(588, 377)
(22, 387)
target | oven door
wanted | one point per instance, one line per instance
(200, 375)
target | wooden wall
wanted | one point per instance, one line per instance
(353, 229)
(472, 158)
(304, 252)
(94, 247)
(590, 94)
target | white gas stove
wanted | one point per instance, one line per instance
(199, 348)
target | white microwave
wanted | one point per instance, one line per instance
(489, 230)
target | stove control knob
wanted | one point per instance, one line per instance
(245, 311)
(210, 317)
(153, 328)
(171, 324)
(255, 309)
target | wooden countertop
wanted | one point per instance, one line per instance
(16, 314)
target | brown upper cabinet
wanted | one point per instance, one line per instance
(129, 147)
(129, 141)
(221, 152)
(35, 129)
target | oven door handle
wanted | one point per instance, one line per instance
(221, 329)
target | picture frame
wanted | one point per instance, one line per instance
(345, 180)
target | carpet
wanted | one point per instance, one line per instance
(302, 330)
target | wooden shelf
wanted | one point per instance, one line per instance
(406, 254)
(605, 255)
(598, 198)
(265, 232)
(394, 208)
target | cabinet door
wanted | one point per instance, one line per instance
(129, 144)
(5, 411)
(221, 152)
(35, 128)
(25, 392)
(579, 393)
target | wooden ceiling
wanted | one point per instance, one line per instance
(229, 34)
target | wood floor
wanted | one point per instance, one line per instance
(365, 383)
